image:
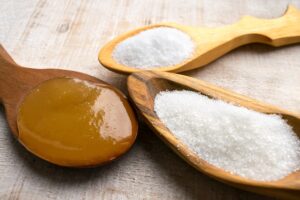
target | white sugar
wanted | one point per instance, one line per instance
(241, 141)
(157, 47)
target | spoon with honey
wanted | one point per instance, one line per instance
(211, 43)
(144, 86)
(64, 117)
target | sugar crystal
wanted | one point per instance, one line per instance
(250, 144)
(157, 47)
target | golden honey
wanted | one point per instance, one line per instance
(70, 122)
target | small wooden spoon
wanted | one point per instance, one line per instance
(211, 43)
(143, 87)
(16, 82)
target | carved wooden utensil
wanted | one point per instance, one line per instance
(16, 82)
(211, 43)
(143, 87)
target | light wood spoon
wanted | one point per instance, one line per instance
(143, 87)
(211, 43)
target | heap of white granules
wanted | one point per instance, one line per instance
(241, 141)
(157, 47)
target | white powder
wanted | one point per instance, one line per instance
(157, 47)
(241, 141)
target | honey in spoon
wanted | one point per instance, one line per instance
(71, 122)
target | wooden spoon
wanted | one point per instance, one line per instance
(143, 87)
(16, 82)
(211, 43)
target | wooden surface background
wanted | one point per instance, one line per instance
(69, 33)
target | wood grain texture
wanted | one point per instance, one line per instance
(212, 43)
(144, 86)
(68, 34)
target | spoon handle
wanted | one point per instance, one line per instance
(213, 43)
(10, 73)
(4, 55)
(276, 32)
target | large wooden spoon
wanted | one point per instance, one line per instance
(16, 82)
(211, 43)
(143, 87)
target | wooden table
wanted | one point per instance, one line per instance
(68, 34)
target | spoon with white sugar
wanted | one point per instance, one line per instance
(177, 48)
(146, 89)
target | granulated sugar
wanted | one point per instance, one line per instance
(241, 141)
(156, 47)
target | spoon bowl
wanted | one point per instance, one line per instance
(144, 86)
(16, 82)
(211, 43)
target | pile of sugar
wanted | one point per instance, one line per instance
(241, 141)
(157, 47)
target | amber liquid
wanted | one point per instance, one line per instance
(71, 122)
